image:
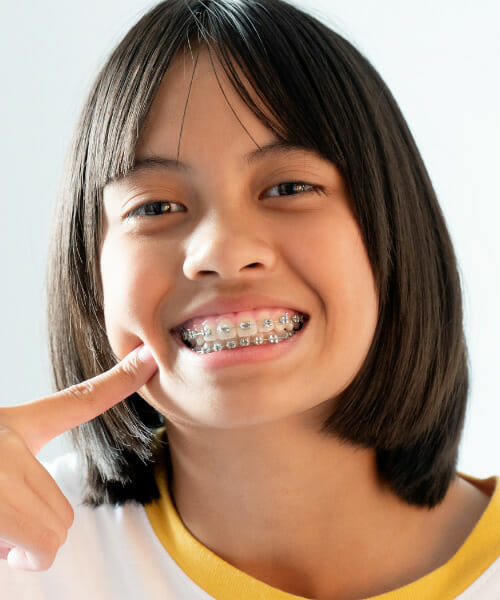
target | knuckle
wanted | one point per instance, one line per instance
(21, 524)
(48, 542)
(45, 541)
(62, 537)
(43, 561)
(11, 486)
(10, 441)
(82, 390)
(129, 368)
(69, 517)
(44, 565)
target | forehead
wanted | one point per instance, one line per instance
(197, 106)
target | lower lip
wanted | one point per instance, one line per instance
(248, 354)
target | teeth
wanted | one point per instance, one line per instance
(212, 336)
(209, 330)
(265, 322)
(279, 321)
(288, 324)
(225, 329)
(272, 338)
(247, 326)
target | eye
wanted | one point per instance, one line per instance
(153, 209)
(291, 188)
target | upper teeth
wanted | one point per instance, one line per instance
(225, 329)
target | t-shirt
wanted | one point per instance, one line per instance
(145, 552)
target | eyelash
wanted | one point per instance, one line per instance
(312, 188)
(162, 205)
(136, 212)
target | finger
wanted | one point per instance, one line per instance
(39, 542)
(40, 421)
(41, 482)
(29, 507)
(5, 548)
(18, 558)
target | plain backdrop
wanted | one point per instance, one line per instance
(440, 59)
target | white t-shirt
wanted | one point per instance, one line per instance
(120, 552)
(111, 552)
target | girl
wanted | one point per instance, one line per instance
(248, 225)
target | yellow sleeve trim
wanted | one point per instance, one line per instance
(224, 582)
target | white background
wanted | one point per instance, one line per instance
(440, 59)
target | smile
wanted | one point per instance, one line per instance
(226, 335)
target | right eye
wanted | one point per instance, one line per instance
(153, 209)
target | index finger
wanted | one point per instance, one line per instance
(40, 421)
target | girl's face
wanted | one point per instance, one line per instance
(233, 231)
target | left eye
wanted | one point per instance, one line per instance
(152, 209)
(290, 188)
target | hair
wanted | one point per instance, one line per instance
(408, 400)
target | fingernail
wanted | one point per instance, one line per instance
(145, 354)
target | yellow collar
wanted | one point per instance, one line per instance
(224, 582)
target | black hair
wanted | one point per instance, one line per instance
(408, 400)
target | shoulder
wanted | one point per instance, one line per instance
(477, 561)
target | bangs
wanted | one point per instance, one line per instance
(313, 89)
(278, 85)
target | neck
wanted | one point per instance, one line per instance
(279, 500)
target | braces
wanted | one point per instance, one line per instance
(191, 334)
(273, 338)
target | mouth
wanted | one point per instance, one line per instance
(240, 330)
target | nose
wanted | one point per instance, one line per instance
(230, 247)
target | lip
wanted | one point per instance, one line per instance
(221, 305)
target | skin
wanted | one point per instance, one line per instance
(34, 514)
(295, 509)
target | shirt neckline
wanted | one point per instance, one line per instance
(223, 581)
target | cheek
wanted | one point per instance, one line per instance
(134, 284)
(338, 269)
(334, 260)
(353, 277)
(354, 303)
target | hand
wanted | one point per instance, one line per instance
(34, 514)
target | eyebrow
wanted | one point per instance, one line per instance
(154, 163)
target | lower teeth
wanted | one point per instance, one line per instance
(257, 340)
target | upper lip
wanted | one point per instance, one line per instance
(221, 305)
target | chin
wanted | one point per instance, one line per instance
(216, 408)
